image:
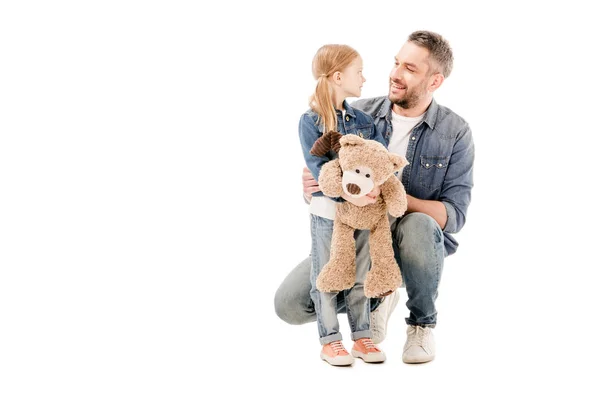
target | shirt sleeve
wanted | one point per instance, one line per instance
(309, 133)
(456, 189)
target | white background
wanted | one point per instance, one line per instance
(150, 199)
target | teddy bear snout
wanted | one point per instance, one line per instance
(353, 188)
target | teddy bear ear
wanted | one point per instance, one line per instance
(329, 141)
(352, 140)
(399, 161)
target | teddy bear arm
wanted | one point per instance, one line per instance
(394, 196)
(330, 179)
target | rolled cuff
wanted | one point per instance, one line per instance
(451, 225)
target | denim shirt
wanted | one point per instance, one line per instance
(440, 155)
(355, 122)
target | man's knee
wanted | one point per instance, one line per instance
(289, 309)
(421, 226)
(292, 299)
(420, 238)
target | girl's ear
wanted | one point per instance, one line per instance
(337, 77)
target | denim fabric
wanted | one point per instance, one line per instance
(355, 122)
(440, 155)
(419, 251)
(325, 304)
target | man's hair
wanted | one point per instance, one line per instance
(440, 53)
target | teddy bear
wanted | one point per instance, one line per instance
(362, 165)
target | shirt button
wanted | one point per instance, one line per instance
(347, 118)
(360, 134)
(413, 138)
(440, 165)
(427, 165)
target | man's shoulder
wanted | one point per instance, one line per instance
(449, 122)
(370, 106)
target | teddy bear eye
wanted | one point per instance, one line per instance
(368, 175)
(357, 171)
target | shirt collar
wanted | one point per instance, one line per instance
(430, 116)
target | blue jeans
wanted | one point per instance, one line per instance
(325, 304)
(419, 249)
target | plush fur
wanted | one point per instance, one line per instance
(361, 165)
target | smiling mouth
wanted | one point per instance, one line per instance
(397, 87)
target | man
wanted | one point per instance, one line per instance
(439, 148)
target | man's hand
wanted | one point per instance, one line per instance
(309, 184)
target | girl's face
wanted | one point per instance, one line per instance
(352, 79)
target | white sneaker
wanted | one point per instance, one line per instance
(420, 345)
(381, 316)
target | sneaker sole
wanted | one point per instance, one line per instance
(417, 360)
(341, 361)
(369, 358)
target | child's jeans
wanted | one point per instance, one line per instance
(357, 304)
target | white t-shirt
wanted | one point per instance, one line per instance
(323, 207)
(401, 129)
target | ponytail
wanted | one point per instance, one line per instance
(329, 59)
(322, 104)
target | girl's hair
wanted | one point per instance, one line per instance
(329, 59)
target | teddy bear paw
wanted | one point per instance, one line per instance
(333, 280)
(381, 282)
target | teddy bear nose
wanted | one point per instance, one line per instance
(353, 188)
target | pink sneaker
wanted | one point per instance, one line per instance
(365, 348)
(335, 354)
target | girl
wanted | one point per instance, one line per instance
(338, 71)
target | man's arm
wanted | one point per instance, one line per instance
(435, 209)
(455, 194)
(450, 210)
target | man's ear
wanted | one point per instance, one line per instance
(435, 81)
(398, 161)
(352, 140)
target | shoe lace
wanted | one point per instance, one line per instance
(368, 343)
(417, 338)
(337, 346)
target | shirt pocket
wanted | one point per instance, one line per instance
(432, 171)
(364, 131)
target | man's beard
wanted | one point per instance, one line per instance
(412, 96)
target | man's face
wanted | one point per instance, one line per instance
(410, 76)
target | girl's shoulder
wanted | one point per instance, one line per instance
(361, 116)
(309, 114)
